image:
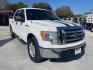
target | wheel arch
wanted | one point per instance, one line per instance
(30, 35)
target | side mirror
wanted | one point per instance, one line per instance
(18, 18)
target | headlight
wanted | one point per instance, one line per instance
(49, 36)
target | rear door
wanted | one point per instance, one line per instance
(20, 24)
(15, 23)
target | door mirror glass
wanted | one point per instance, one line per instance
(18, 18)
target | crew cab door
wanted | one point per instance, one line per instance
(19, 20)
(15, 22)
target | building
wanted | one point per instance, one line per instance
(4, 17)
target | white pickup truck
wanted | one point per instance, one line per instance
(46, 35)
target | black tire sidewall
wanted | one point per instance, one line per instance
(92, 29)
(11, 33)
(37, 51)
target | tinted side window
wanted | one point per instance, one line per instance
(17, 13)
(22, 14)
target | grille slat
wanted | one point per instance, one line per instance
(72, 35)
(71, 32)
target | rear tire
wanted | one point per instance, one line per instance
(92, 29)
(33, 50)
(12, 33)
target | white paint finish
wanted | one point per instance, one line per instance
(36, 26)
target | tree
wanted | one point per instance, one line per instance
(64, 12)
(15, 6)
(42, 6)
(0, 7)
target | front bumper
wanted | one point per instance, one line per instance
(60, 52)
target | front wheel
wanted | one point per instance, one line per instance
(33, 50)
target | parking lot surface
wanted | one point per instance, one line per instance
(14, 56)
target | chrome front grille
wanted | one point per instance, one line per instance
(70, 35)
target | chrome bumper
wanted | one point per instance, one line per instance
(58, 52)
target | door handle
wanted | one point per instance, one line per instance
(16, 23)
(26, 25)
(12, 21)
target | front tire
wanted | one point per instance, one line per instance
(33, 50)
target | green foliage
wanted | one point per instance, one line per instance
(64, 12)
(42, 6)
(0, 7)
(15, 6)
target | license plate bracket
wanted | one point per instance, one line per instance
(77, 51)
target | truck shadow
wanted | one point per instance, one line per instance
(5, 41)
(67, 59)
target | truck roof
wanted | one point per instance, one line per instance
(33, 8)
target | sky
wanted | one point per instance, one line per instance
(77, 6)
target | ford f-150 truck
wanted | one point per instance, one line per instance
(46, 35)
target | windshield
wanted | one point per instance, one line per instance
(34, 14)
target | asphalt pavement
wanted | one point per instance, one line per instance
(14, 56)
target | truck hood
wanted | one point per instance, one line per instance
(54, 23)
